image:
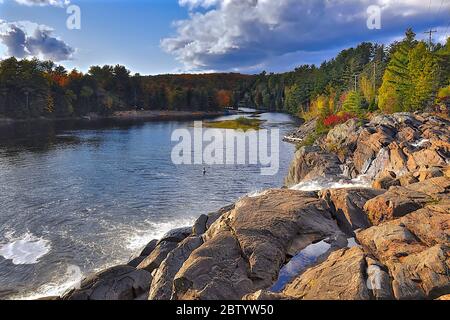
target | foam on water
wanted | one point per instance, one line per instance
(420, 143)
(317, 185)
(140, 237)
(257, 193)
(57, 287)
(27, 249)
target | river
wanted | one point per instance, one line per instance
(77, 197)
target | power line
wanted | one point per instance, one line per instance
(430, 33)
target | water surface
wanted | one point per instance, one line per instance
(79, 197)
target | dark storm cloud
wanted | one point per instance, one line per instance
(246, 34)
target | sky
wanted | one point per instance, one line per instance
(175, 36)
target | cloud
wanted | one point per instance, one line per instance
(42, 3)
(246, 34)
(27, 39)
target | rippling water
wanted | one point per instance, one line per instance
(77, 197)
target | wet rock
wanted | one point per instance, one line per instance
(176, 235)
(149, 248)
(162, 284)
(164, 246)
(199, 227)
(245, 249)
(136, 261)
(154, 260)
(340, 277)
(312, 163)
(117, 283)
(395, 203)
(348, 204)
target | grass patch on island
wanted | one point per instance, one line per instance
(241, 123)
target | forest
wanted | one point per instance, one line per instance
(408, 75)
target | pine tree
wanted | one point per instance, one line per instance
(424, 74)
(353, 103)
(396, 80)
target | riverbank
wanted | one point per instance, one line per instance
(364, 215)
(127, 116)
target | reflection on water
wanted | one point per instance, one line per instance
(89, 195)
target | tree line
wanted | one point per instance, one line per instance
(407, 75)
(33, 88)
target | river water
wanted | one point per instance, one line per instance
(77, 197)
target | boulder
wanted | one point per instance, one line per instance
(164, 246)
(431, 227)
(347, 206)
(215, 271)
(154, 260)
(213, 216)
(245, 249)
(426, 174)
(136, 261)
(423, 275)
(418, 271)
(176, 235)
(395, 203)
(162, 284)
(436, 188)
(149, 248)
(386, 180)
(340, 277)
(390, 240)
(312, 163)
(342, 138)
(370, 142)
(442, 206)
(117, 283)
(199, 227)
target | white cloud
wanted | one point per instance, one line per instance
(223, 34)
(27, 39)
(55, 3)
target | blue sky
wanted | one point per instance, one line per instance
(170, 36)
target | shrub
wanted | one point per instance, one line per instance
(335, 119)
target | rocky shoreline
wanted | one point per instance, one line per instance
(388, 240)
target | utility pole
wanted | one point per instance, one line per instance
(356, 81)
(374, 77)
(430, 35)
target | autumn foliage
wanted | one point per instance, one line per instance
(336, 119)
